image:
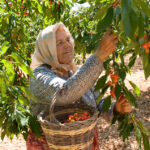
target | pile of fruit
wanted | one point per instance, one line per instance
(78, 117)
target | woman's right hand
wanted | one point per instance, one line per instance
(107, 45)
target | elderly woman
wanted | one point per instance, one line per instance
(55, 70)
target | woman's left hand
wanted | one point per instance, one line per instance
(122, 106)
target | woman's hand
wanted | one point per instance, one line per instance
(122, 106)
(107, 45)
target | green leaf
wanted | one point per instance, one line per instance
(23, 100)
(81, 1)
(27, 93)
(138, 137)
(102, 11)
(122, 59)
(40, 8)
(100, 83)
(140, 26)
(35, 125)
(146, 72)
(3, 87)
(118, 90)
(17, 58)
(125, 133)
(102, 94)
(9, 70)
(120, 118)
(68, 2)
(25, 135)
(141, 125)
(19, 61)
(145, 60)
(149, 131)
(129, 18)
(106, 21)
(2, 118)
(122, 73)
(136, 88)
(23, 119)
(131, 45)
(144, 7)
(113, 121)
(145, 141)
(146, 64)
(3, 135)
(106, 104)
(11, 136)
(4, 48)
(106, 63)
(131, 98)
(122, 124)
(132, 60)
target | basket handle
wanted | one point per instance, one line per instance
(51, 109)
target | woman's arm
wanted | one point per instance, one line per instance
(46, 83)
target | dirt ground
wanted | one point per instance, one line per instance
(108, 135)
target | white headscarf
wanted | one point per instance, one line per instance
(46, 52)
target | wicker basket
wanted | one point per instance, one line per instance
(69, 136)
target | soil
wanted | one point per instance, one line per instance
(108, 135)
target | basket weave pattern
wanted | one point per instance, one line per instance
(69, 136)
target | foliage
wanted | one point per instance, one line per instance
(21, 21)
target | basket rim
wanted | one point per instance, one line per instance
(48, 122)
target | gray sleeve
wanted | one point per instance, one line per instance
(46, 83)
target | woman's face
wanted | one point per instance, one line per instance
(65, 51)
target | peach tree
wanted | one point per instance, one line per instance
(21, 21)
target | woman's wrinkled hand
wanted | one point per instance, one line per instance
(122, 106)
(107, 45)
